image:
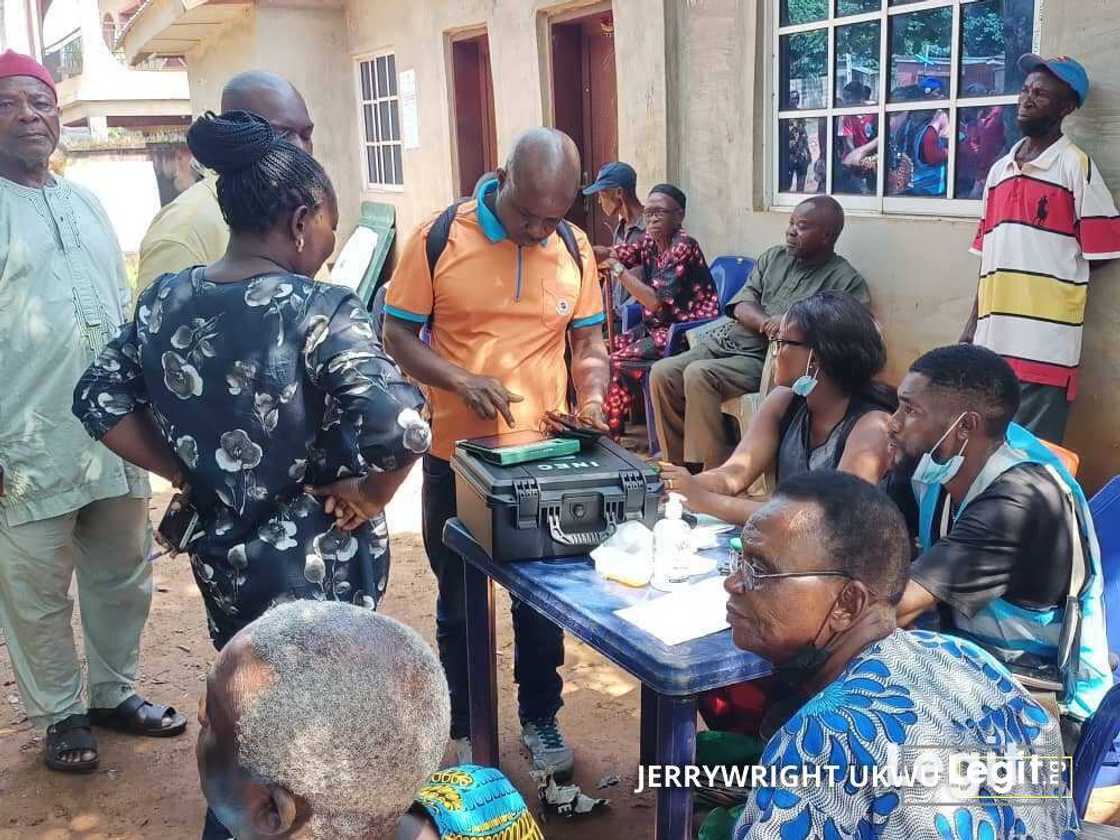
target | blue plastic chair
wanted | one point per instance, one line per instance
(729, 275)
(1097, 738)
(1105, 507)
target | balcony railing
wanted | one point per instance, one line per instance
(63, 59)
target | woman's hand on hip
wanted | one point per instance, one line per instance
(349, 502)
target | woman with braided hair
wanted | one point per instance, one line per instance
(252, 385)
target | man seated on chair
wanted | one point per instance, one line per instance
(1008, 552)
(727, 356)
(860, 694)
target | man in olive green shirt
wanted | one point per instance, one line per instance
(190, 230)
(727, 356)
(67, 504)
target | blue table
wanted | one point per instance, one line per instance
(570, 593)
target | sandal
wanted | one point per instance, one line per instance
(70, 735)
(136, 716)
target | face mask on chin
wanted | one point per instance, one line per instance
(793, 674)
(929, 471)
(805, 383)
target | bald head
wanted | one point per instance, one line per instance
(814, 227)
(545, 155)
(828, 210)
(538, 184)
(274, 98)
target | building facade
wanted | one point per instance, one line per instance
(748, 105)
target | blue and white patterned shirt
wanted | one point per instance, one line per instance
(261, 387)
(910, 690)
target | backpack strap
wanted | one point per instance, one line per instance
(569, 239)
(438, 234)
(440, 230)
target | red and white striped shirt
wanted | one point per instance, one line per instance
(1040, 225)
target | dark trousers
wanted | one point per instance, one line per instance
(1043, 410)
(538, 644)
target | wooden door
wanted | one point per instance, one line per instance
(475, 133)
(585, 105)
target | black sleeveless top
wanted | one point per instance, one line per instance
(796, 455)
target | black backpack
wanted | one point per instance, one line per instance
(441, 229)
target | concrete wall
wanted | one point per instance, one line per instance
(922, 277)
(125, 183)
(270, 37)
(418, 32)
(693, 107)
(1090, 30)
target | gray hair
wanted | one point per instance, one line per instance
(354, 716)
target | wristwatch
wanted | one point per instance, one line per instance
(616, 270)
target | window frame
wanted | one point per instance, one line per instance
(880, 203)
(393, 101)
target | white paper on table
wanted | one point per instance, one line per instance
(691, 612)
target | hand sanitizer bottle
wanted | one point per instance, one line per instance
(672, 544)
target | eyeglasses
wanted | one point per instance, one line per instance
(657, 213)
(779, 343)
(748, 573)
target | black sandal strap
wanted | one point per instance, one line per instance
(69, 723)
(70, 735)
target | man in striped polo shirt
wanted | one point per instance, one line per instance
(1047, 213)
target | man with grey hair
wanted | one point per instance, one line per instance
(190, 230)
(320, 720)
(513, 283)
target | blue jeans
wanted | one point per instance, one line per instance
(538, 644)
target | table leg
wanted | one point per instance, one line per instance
(676, 747)
(482, 672)
(647, 752)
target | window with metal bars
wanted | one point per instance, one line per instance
(380, 120)
(895, 105)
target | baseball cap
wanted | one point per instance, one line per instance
(1067, 69)
(614, 175)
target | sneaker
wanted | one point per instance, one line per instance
(461, 748)
(547, 747)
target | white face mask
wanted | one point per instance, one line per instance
(929, 471)
(805, 383)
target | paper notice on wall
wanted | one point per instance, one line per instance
(410, 121)
(691, 612)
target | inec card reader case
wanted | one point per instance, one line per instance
(559, 504)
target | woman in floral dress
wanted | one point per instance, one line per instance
(666, 273)
(250, 383)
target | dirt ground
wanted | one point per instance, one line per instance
(148, 788)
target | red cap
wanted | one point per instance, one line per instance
(18, 64)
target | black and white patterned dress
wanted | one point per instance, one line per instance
(262, 387)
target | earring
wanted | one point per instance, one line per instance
(299, 245)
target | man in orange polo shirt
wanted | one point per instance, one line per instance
(505, 295)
